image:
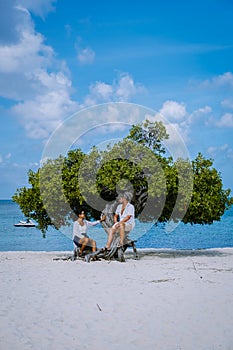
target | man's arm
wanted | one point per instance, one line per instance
(115, 218)
(117, 224)
(126, 218)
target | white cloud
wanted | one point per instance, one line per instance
(39, 7)
(125, 87)
(101, 91)
(31, 75)
(173, 110)
(68, 29)
(86, 56)
(39, 84)
(5, 157)
(46, 111)
(224, 79)
(20, 63)
(28, 54)
(173, 115)
(201, 111)
(48, 108)
(225, 150)
(199, 114)
(122, 89)
(227, 103)
(226, 121)
(211, 150)
(8, 155)
(221, 80)
(176, 112)
(178, 121)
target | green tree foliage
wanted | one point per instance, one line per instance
(150, 134)
(163, 189)
(209, 199)
(31, 203)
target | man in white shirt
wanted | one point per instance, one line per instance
(123, 219)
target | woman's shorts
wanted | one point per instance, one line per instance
(129, 226)
(76, 240)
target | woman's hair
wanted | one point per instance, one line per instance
(128, 196)
(79, 212)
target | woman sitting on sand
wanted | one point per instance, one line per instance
(80, 236)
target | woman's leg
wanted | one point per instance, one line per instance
(84, 242)
(92, 243)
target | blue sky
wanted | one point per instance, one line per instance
(59, 57)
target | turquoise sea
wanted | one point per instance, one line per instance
(217, 235)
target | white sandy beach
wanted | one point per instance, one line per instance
(165, 300)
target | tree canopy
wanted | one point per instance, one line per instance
(163, 189)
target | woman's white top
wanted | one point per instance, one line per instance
(81, 230)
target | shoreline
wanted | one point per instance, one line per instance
(166, 300)
(141, 251)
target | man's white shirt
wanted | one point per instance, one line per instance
(129, 210)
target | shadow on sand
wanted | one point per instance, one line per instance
(170, 253)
